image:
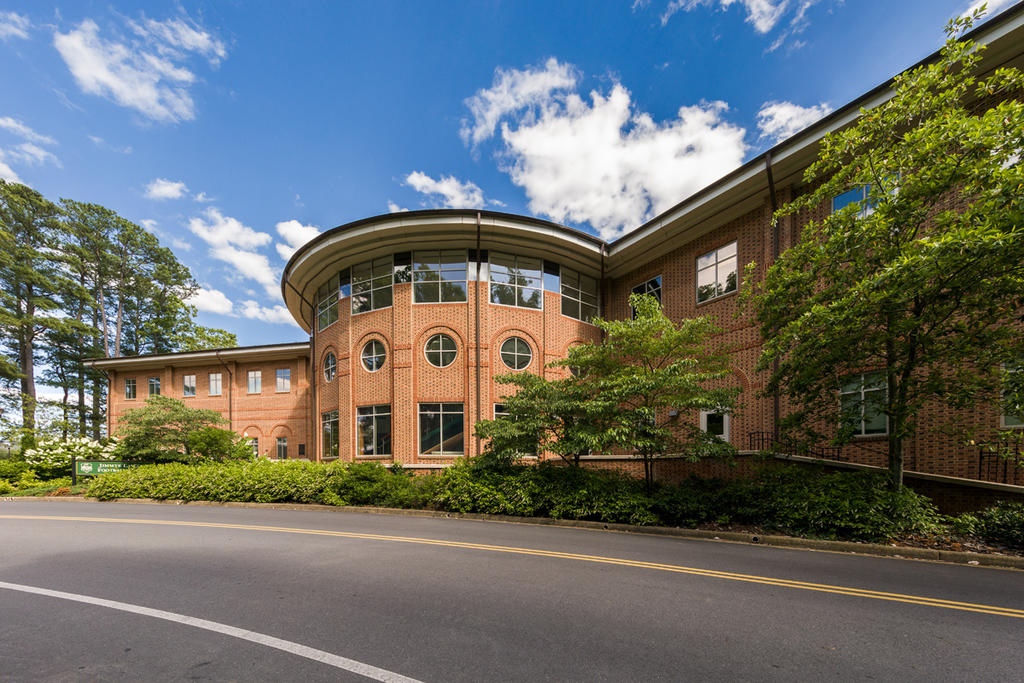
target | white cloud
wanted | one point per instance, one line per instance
(161, 188)
(234, 243)
(103, 144)
(605, 163)
(267, 314)
(24, 132)
(203, 198)
(211, 301)
(780, 120)
(33, 154)
(511, 91)
(6, 172)
(447, 191)
(147, 74)
(13, 25)
(994, 7)
(149, 224)
(762, 14)
(295, 234)
(395, 208)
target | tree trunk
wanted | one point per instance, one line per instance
(97, 410)
(120, 321)
(648, 473)
(28, 381)
(80, 387)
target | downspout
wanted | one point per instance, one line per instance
(231, 390)
(476, 298)
(773, 225)
(313, 433)
(604, 289)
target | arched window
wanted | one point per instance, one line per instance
(373, 356)
(440, 350)
(516, 353)
(330, 367)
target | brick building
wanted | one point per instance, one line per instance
(410, 316)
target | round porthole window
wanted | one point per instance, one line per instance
(516, 353)
(373, 355)
(441, 350)
(330, 366)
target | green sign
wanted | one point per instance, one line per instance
(87, 468)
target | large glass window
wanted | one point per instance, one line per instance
(255, 381)
(371, 285)
(516, 353)
(129, 388)
(188, 385)
(439, 276)
(715, 423)
(327, 303)
(283, 380)
(373, 430)
(862, 403)
(254, 444)
(373, 355)
(329, 431)
(330, 366)
(716, 272)
(516, 281)
(282, 448)
(440, 350)
(860, 194)
(579, 295)
(652, 287)
(215, 384)
(154, 386)
(441, 429)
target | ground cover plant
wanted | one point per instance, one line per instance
(786, 499)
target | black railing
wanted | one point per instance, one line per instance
(766, 441)
(1006, 467)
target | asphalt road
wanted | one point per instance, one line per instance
(208, 593)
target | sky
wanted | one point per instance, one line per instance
(236, 131)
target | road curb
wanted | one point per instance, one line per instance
(793, 542)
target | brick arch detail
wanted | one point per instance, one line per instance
(251, 431)
(498, 338)
(426, 333)
(280, 429)
(357, 348)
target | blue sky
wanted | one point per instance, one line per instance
(235, 131)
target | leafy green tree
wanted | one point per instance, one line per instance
(164, 430)
(217, 445)
(923, 279)
(199, 338)
(633, 391)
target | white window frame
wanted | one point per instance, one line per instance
(211, 383)
(370, 292)
(715, 266)
(131, 382)
(515, 353)
(285, 380)
(515, 287)
(281, 441)
(333, 366)
(454, 358)
(153, 382)
(646, 288)
(726, 423)
(414, 270)
(383, 355)
(861, 433)
(576, 294)
(188, 386)
(419, 430)
(375, 411)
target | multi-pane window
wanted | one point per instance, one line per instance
(255, 384)
(500, 411)
(254, 443)
(373, 430)
(516, 281)
(283, 379)
(129, 388)
(215, 384)
(439, 276)
(860, 194)
(282, 448)
(579, 295)
(440, 350)
(516, 353)
(862, 400)
(652, 287)
(330, 366)
(329, 430)
(371, 285)
(1013, 398)
(441, 429)
(154, 386)
(715, 423)
(327, 303)
(716, 272)
(373, 355)
(188, 385)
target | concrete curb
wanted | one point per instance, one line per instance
(875, 549)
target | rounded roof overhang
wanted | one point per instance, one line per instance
(320, 258)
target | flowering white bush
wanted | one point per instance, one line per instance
(52, 457)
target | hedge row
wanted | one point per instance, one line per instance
(852, 506)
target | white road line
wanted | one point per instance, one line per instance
(336, 661)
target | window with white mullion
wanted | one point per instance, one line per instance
(371, 285)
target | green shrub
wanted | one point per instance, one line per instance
(1002, 523)
(217, 445)
(12, 469)
(5, 487)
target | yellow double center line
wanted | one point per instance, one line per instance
(657, 566)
